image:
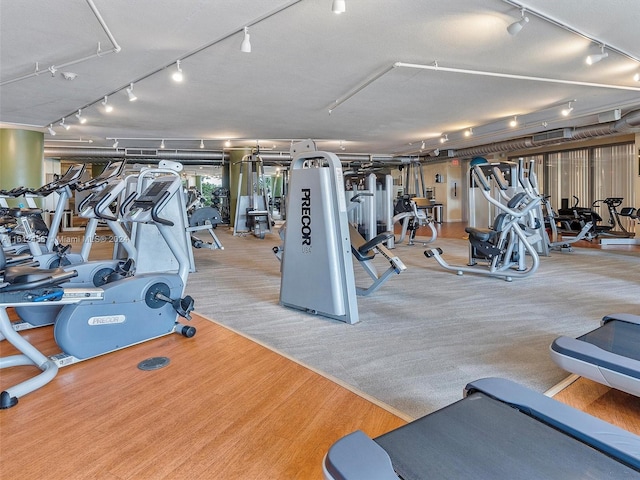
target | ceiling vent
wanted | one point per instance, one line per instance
(611, 116)
(138, 152)
(552, 136)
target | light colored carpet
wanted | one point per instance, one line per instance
(426, 332)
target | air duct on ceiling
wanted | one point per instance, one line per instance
(625, 125)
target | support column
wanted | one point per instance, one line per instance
(21, 159)
(235, 157)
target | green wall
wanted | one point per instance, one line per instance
(21, 158)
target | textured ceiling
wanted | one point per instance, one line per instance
(304, 59)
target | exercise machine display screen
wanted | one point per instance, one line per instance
(153, 194)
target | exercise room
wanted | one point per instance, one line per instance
(319, 239)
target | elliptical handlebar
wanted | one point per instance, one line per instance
(482, 180)
(502, 184)
(531, 201)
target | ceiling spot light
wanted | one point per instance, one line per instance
(201, 143)
(514, 122)
(52, 132)
(177, 75)
(245, 47)
(80, 118)
(130, 94)
(162, 143)
(227, 143)
(115, 144)
(107, 108)
(444, 138)
(468, 132)
(636, 77)
(69, 76)
(515, 27)
(339, 6)
(595, 58)
(64, 125)
(52, 70)
(566, 111)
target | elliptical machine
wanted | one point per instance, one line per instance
(96, 321)
(505, 248)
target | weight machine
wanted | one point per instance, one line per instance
(252, 209)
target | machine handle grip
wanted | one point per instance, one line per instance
(99, 207)
(126, 203)
(85, 201)
(156, 207)
(356, 198)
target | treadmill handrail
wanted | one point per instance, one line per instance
(623, 317)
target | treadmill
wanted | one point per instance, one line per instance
(609, 355)
(499, 430)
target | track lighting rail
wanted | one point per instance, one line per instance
(573, 30)
(99, 52)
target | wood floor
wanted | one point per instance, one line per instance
(225, 407)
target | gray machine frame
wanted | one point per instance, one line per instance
(157, 256)
(317, 269)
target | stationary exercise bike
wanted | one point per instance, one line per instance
(105, 190)
(99, 320)
(50, 254)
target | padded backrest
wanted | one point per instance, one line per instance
(516, 199)
(499, 222)
(627, 211)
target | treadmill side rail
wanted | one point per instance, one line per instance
(609, 439)
(357, 457)
(623, 317)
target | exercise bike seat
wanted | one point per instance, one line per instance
(20, 277)
(18, 212)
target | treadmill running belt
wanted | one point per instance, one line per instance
(616, 336)
(481, 438)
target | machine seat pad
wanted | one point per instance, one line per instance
(481, 234)
(24, 212)
(363, 250)
(21, 274)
